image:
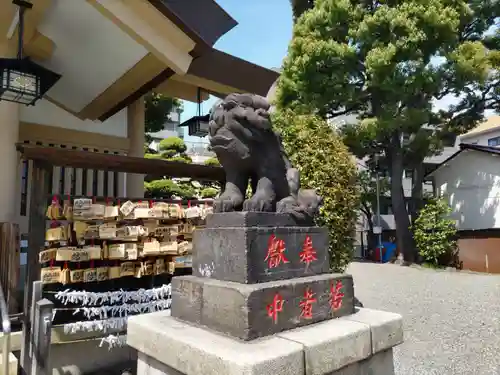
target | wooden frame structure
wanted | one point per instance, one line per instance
(44, 159)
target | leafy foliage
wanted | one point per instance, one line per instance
(300, 6)
(326, 165)
(434, 232)
(174, 149)
(387, 62)
(214, 162)
(167, 188)
(158, 110)
(209, 192)
(171, 149)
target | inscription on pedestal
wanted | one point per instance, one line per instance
(249, 311)
(256, 255)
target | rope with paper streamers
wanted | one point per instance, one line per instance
(115, 306)
(113, 341)
(111, 324)
(90, 298)
(105, 312)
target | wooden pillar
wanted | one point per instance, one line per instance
(10, 263)
(9, 162)
(136, 136)
(36, 243)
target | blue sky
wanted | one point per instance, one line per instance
(262, 35)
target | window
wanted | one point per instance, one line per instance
(408, 173)
(494, 141)
(385, 206)
(405, 139)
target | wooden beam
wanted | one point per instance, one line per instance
(145, 70)
(39, 47)
(148, 27)
(57, 135)
(7, 16)
(208, 85)
(93, 160)
(32, 18)
(62, 106)
(181, 90)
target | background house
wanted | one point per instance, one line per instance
(486, 134)
(470, 182)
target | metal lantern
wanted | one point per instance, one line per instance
(21, 79)
(197, 125)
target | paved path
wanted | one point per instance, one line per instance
(452, 319)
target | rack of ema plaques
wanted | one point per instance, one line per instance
(261, 301)
(106, 259)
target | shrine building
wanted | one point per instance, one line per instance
(88, 64)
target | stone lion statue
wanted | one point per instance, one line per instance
(241, 135)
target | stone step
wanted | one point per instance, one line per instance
(257, 254)
(249, 311)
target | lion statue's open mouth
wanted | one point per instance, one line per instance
(241, 135)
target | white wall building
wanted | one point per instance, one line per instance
(486, 134)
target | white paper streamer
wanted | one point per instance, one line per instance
(113, 341)
(120, 296)
(105, 312)
(96, 325)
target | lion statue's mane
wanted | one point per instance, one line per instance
(241, 135)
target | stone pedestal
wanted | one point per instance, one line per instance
(358, 344)
(262, 301)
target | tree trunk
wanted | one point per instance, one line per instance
(417, 191)
(405, 242)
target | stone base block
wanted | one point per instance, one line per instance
(258, 254)
(341, 346)
(249, 311)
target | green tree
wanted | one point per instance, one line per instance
(167, 188)
(170, 149)
(158, 110)
(326, 165)
(209, 192)
(367, 186)
(214, 162)
(387, 62)
(300, 6)
(174, 149)
(435, 233)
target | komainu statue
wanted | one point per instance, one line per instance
(241, 135)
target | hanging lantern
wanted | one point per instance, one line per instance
(197, 125)
(21, 79)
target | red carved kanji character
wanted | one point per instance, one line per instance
(336, 295)
(275, 252)
(308, 254)
(275, 307)
(307, 304)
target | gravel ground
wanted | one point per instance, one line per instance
(451, 319)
